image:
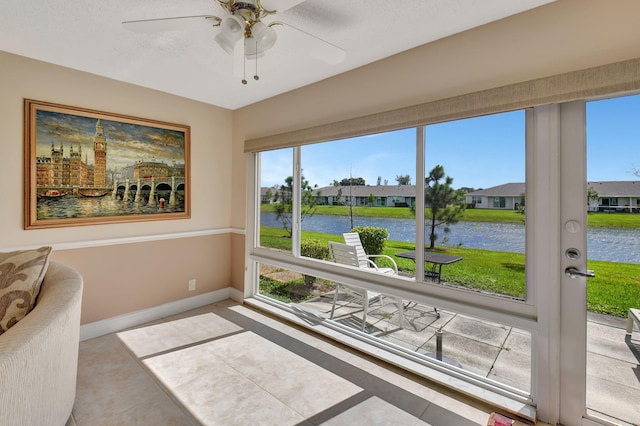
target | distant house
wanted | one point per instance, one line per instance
(505, 197)
(613, 196)
(268, 194)
(616, 196)
(360, 195)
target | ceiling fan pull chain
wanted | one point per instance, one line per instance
(244, 64)
(255, 77)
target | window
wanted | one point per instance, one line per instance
(276, 186)
(456, 157)
(368, 185)
(608, 204)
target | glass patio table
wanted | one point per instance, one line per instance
(435, 259)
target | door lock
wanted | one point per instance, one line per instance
(575, 272)
(573, 253)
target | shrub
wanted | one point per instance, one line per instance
(315, 249)
(372, 238)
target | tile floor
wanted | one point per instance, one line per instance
(227, 364)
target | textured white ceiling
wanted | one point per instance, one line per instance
(87, 35)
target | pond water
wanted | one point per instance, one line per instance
(611, 244)
(80, 207)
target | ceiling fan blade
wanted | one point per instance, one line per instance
(171, 24)
(295, 39)
(280, 5)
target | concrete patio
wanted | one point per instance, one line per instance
(500, 352)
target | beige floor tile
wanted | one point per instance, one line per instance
(227, 398)
(372, 412)
(148, 340)
(455, 411)
(214, 392)
(299, 383)
(113, 389)
(153, 339)
(205, 326)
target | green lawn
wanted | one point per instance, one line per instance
(389, 212)
(618, 220)
(613, 291)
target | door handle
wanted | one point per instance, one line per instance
(575, 272)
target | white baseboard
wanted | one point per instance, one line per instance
(132, 319)
(237, 295)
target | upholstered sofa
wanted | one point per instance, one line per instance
(39, 354)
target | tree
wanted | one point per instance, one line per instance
(284, 207)
(520, 205)
(592, 196)
(403, 179)
(468, 189)
(379, 180)
(446, 205)
(353, 181)
(371, 199)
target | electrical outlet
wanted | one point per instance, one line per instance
(192, 284)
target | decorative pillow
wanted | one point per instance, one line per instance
(21, 274)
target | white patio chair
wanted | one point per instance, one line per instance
(364, 259)
(347, 255)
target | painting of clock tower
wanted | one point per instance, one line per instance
(100, 156)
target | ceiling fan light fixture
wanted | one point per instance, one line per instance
(226, 44)
(264, 35)
(232, 27)
(252, 49)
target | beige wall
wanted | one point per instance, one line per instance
(237, 261)
(124, 277)
(564, 36)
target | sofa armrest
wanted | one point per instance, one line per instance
(39, 355)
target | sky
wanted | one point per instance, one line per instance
(477, 153)
(126, 143)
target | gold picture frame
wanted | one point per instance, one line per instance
(86, 167)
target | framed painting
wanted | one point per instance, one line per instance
(86, 167)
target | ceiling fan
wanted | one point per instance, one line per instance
(244, 35)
